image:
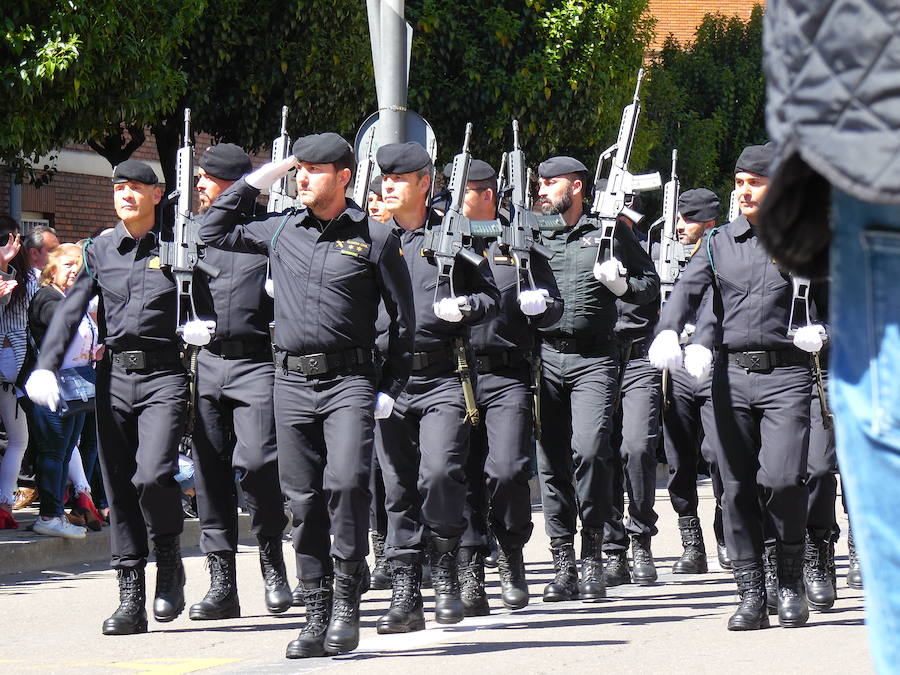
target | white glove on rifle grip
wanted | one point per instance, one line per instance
(448, 309)
(665, 351)
(810, 338)
(267, 174)
(697, 361)
(384, 406)
(612, 274)
(198, 332)
(43, 389)
(533, 302)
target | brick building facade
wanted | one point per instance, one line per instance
(681, 17)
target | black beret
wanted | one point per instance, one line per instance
(226, 161)
(375, 185)
(326, 148)
(478, 170)
(756, 159)
(133, 170)
(402, 157)
(557, 166)
(699, 205)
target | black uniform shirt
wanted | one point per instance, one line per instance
(510, 329)
(590, 311)
(137, 298)
(329, 278)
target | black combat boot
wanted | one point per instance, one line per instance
(513, 587)
(643, 568)
(271, 563)
(854, 571)
(721, 549)
(343, 630)
(751, 614)
(592, 582)
(693, 559)
(297, 595)
(168, 602)
(381, 573)
(792, 608)
(448, 606)
(131, 615)
(405, 614)
(770, 565)
(492, 557)
(818, 562)
(317, 596)
(471, 582)
(616, 568)
(221, 600)
(565, 584)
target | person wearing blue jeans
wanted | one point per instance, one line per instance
(56, 437)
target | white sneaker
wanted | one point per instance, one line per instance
(59, 527)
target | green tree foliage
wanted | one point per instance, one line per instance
(75, 69)
(563, 68)
(707, 99)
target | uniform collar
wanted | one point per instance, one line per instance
(740, 227)
(121, 235)
(351, 212)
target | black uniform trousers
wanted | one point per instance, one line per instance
(635, 437)
(325, 428)
(689, 428)
(500, 450)
(762, 419)
(577, 397)
(424, 447)
(140, 422)
(823, 470)
(234, 432)
(377, 513)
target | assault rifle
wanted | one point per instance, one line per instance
(612, 201)
(363, 176)
(282, 193)
(734, 206)
(521, 237)
(182, 254)
(672, 256)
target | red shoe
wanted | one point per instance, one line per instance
(84, 506)
(7, 522)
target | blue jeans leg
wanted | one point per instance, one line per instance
(865, 368)
(56, 438)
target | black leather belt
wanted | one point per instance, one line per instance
(593, 347)
(423, 360)
(138, 360)
(258, 345)
(314, 365)
(755, 362)
(486, 363)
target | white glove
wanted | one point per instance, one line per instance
(267, 174)
(697, 361)
(665, 351)
(448, 309)
(43, 389)
(612, 274)
(384, 406)
(810, 338)
(198, 332)
(687, 332)
(533, 302)
(270, 287)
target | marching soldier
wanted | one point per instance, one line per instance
(425, 440)
(501, 444)
(234, 427)
(332, 266)
(761, 388)
(580, 356)
(142, 395)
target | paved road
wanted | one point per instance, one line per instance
(52, 625)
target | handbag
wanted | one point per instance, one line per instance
(77, 390)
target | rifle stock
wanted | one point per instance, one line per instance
(671, 253)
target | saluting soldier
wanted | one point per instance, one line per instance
(332, 266)
(581, 358)
(425, 440)
(234, 426)
(501, 444)
(761, 388)
(142, 395)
